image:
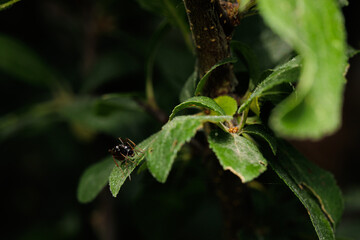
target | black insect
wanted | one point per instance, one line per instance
(124, 152)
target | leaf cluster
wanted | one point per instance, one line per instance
(296, 94)
(305, 92)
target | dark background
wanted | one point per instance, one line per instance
(41, 163)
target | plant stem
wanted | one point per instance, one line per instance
(243, 118)
(211, 36)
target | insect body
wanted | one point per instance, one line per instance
(124, 151)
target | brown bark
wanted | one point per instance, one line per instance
(211, 30)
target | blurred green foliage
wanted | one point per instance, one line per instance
(73, 78)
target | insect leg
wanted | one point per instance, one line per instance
(133, 146)
(121, 140)
(127, 169)
(116, 162)
(131, 143)
(128, 159)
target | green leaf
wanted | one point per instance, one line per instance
(246, 5)
(203, 80)
(120, 174)
(288, 72)
(250, 60)
(228, 104)
(315, 188)
(189, 87)
(343, 3)
(199, 101)
(237, 154)
(7, 3)
(111, 114)
(112, 102)
(23, 63)
(94, 179)
(263, 132)
(316, 30)
(163, 150)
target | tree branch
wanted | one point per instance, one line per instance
(212, 23)
(211, 30)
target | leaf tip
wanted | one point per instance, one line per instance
(243, 180)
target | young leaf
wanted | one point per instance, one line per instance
(237, 154)
(23, 63)
(161, 153)
(288, 72)
(118, 176)
(199, 101)
(228, 104)
(315, 188)
(316, 30)
(94, 179)
(263, 132)
(189, 87)
(203, 80)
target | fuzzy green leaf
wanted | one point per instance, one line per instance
(316, 30)
(200, 101)
(237, 154)
(264, 133)
(288, 72)
(161, 153)
(315, 188)
(203, 80)
(94, 179)
(119, 174)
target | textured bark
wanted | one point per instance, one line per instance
(211, 30)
